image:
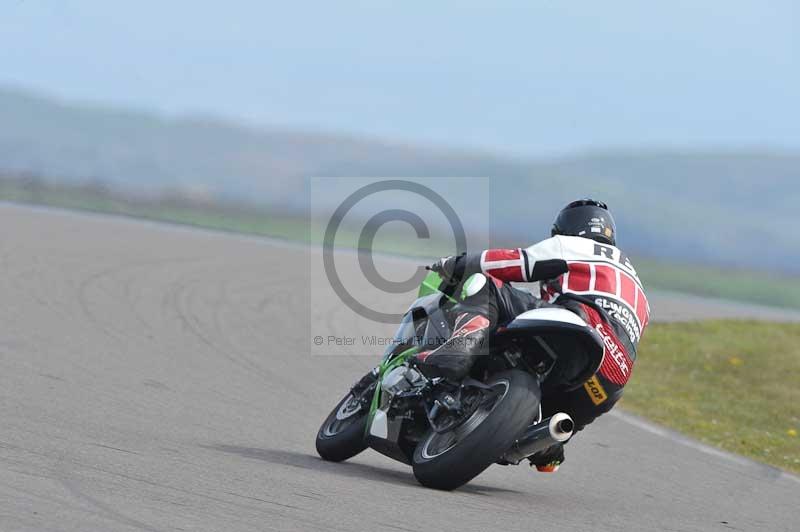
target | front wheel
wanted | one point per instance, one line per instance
(341, 435)
(447, 460)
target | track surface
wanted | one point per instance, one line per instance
(158, 378)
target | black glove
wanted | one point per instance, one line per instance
(447, 268)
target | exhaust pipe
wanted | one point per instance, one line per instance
(539, 437)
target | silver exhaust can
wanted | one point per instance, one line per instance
(536, 438)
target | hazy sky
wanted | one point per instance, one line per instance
(529, 77)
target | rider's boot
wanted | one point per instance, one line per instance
(455, 357)
(549, 460)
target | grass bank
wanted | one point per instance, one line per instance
(731, 384)
(752, 287)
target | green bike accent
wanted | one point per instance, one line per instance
(431, 285)
(385, 367)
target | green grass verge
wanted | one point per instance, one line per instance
(752, 287)
(731, 384)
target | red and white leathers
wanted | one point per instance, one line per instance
(598, 272)
(596, 281)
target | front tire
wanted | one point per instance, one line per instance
(448, 460)
(341, 435)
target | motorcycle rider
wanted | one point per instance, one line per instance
(579, 268)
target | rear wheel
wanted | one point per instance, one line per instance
(341, 435)
(447, 460)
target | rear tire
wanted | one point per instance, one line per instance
(492, 433)
(341, 435)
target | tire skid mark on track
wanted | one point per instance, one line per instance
(66, 468)
(194, 324)
(246, 328)
(104, 508)
(113, 272)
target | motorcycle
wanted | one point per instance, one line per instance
(450, 432)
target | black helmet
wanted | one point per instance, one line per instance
(587, 218)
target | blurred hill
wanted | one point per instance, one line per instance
(723, 208)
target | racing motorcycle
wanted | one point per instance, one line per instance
(450, 432)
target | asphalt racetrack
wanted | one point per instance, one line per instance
(160, 378)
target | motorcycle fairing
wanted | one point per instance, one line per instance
(559, 336)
